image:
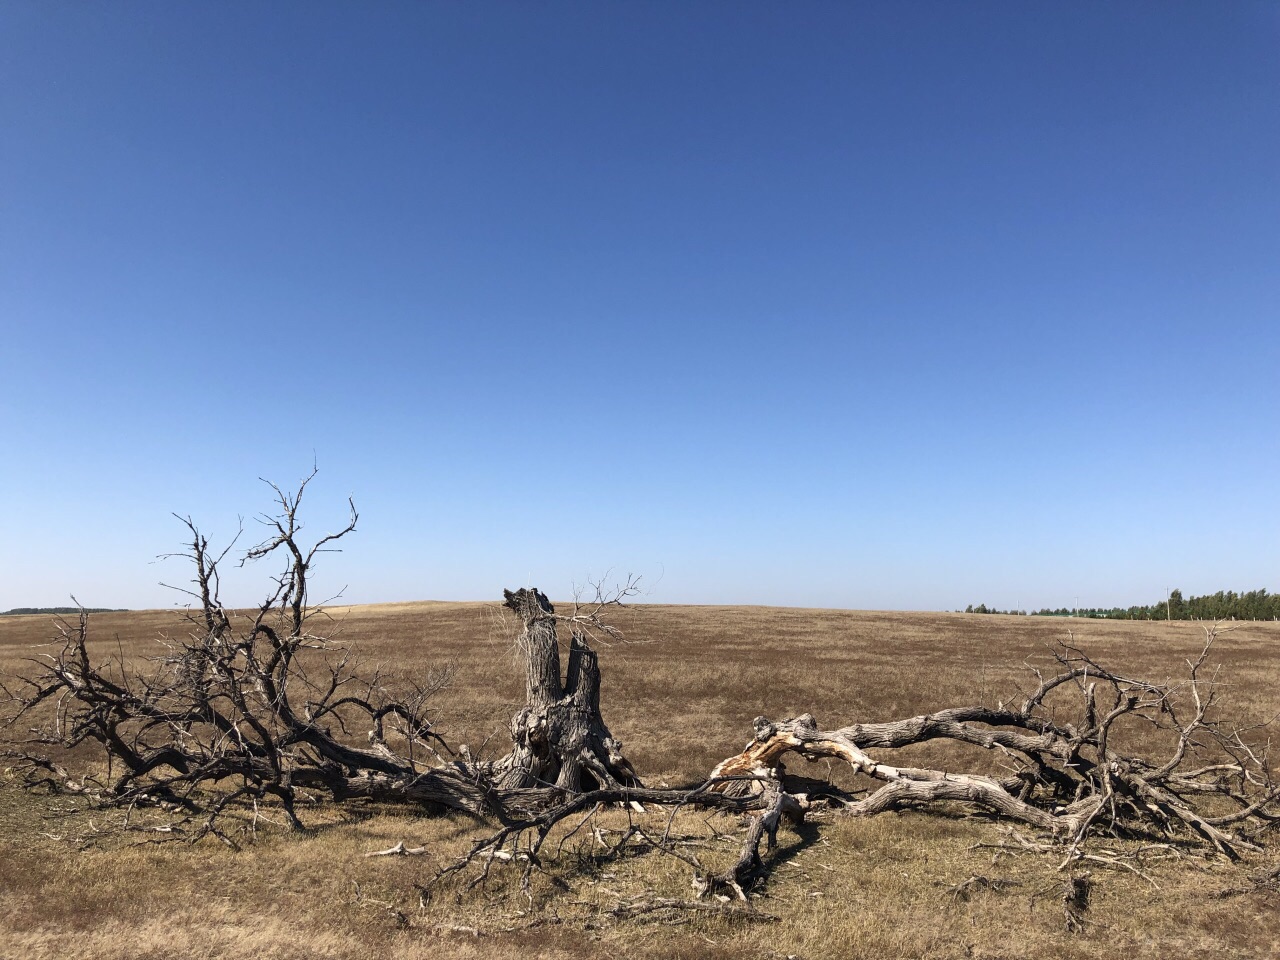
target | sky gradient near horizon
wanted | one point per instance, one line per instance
(845, 305)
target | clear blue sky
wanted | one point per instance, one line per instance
(827, 304)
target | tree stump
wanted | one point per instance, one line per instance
(558, 738)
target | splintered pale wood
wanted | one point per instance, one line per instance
(1068, 777)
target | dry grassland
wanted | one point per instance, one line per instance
(681, 694)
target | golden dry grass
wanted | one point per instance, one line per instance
(681, 694)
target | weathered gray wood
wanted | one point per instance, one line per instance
(559, 737)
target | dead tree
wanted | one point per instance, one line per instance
(1071, 775)
(245, 707)
(1089, 753)
(253, 705)
(559, 738)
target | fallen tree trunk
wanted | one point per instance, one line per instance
(1069, 778)
(904, 786)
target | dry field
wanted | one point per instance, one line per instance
(681, 694)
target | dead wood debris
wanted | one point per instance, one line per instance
(1075, 901)
(1069, 778)
(399, 850)
(966, 889)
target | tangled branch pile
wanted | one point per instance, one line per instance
(1067, 779)
(243, 708)
(258, 705)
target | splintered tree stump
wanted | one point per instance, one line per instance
(559, 737)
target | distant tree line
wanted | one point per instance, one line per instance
(1223, 605)
(983, 608)
(19, 611)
